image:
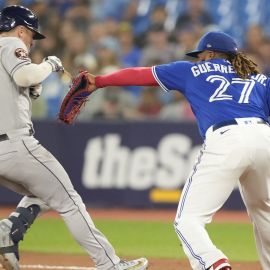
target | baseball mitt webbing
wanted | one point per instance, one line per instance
(75, 98)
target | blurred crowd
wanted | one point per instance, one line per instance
(105, 35)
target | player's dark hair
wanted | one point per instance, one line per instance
(243, 65)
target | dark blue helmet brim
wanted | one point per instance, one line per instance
(37, 34)
(193, 53)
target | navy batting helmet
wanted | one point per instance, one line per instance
(13, 16)
(215, 41)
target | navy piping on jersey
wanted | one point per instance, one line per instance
(68, 196)
(27, 62)
(182, 207)
(158, 80)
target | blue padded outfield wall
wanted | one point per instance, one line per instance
(124, 164)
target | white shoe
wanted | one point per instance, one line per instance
(8, 249)
(138, 264)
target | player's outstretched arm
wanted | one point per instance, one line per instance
(137, 76)
(85, 83)
(33, 74)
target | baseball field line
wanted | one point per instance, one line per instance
(56, 267)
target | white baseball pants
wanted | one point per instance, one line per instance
(230, 155)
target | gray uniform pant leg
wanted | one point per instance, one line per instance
(35, 168)
(26, 201)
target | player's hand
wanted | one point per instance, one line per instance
(35, 91)
(55, 62)
(92, 79)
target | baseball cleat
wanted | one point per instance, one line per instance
(8, 249)
(222, 264)
(138, 264)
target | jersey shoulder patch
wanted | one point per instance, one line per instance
(21, 53)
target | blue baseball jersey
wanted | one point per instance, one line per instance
(215, 92)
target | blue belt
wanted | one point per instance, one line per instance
(233, 122)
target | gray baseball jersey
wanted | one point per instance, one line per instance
(28, 168)
(15, 102)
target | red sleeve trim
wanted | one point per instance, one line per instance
(139, 76)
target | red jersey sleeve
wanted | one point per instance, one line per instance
(139, 76)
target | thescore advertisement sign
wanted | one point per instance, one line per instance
(110, 164)
(127, 164)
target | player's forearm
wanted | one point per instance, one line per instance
(32, 74)
(139, 76)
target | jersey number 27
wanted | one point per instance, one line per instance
(220, 92)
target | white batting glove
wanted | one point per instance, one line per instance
(35, 91)
(55, 62)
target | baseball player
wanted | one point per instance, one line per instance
(231, 102)
(25, 166)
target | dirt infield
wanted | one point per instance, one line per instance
(145, 214)
(32, 261)
(83, 261)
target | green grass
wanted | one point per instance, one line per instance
(138, 238)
